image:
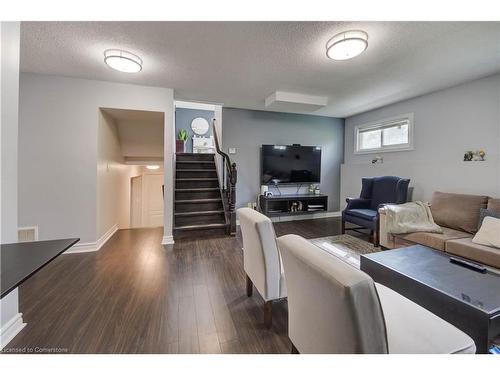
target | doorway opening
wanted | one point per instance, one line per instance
(129, 169)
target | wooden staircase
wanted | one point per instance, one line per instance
(198, 206)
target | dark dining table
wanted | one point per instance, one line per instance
(21, 260)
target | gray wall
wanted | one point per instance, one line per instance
(248, 130)
(10, 45)
(58, 122)
(446, 124)
(183, 119)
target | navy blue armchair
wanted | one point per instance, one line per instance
(375, 192)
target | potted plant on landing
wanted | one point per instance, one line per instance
(180, 143)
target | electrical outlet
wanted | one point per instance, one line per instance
(232, 150)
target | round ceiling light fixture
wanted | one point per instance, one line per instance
(122, 61)
(347, 44)
(153, 167)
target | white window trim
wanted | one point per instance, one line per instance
(377, 124)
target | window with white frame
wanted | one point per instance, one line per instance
(392, 134)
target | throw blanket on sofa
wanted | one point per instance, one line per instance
(410, 217)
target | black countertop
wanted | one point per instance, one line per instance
(21, 260)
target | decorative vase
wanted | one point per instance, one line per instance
(180, 146)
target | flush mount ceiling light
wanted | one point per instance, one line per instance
(153, 167)
(122, 61)
(347, 45)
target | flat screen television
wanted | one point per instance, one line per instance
(290, 164)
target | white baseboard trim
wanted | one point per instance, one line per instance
(10, 329)
(83, 247)
(167, 240)
(317, 215)
(86, 247)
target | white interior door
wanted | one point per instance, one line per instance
(136, 202)
(153, 199)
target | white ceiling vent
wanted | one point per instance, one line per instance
(293, 101)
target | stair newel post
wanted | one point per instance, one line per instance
(223, 174)
(232, 198)
(232, 182)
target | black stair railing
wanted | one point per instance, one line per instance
(228, 185)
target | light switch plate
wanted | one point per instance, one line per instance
(232, 150)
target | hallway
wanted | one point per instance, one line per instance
(134, 296)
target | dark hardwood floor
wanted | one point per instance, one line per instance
(134, 296)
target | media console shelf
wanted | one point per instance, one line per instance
(282, 205)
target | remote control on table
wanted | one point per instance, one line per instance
(466, 263)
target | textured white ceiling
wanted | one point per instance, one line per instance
(241, 63)
(140, 132)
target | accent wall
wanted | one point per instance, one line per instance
(248, 130)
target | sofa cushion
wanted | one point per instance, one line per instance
(489, 233)
(435, 240)
(464, 247)
(484, 213)
(457, 211)
(494, 205)
(363, 213)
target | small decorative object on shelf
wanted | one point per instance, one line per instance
(313, 189)
(180, 143)
(479, 155)
(296, 206)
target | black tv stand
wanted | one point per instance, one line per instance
(285, 205)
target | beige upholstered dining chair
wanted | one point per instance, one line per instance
(335, 308)
(261, 259)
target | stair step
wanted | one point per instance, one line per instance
(197, 179)
(200, 226)
(197, 217)
(198, 213)
(199, 182)
(196, 170)
(194, 157)
(195, 161)
(196, 205)
(196, 173)
(203, 200)
(197, 193)
(187, 190)
(195, 164)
